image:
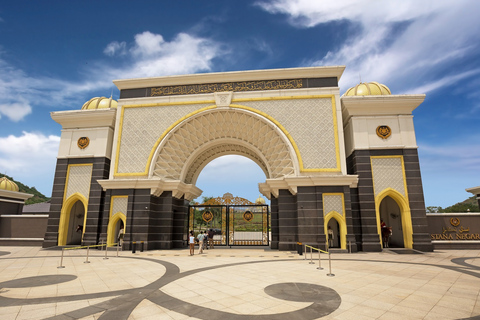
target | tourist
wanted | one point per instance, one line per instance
(200, 239)
(191, 242)
(210, 238)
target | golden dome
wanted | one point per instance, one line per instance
(8, 185)
(260, 200)
(368, 89)
(99, 103)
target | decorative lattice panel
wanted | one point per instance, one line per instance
(388, 173)
(119, 204)
(79, 178)
(332, 203)
(141, 128)
(310, 123)
(219, 124)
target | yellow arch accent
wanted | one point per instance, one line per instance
(341, 223)
(65, 216)
(287, 134)
(406, 215)
(111, 236)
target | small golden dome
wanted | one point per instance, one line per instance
(260, 200)
(8, 185)
(99, 103)
(368, 89)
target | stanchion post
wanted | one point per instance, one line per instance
(88, 249)
(134, 245)
(330, 274)
(319, 261)
(106, 249)
(311, 256)
(305, 255)
(61, 261)
(118, 246)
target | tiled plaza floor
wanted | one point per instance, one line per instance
(237, 284)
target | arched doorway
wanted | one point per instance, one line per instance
(76, 224)
(334, 238)
(117, 221)
(391, 214)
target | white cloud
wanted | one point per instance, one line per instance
(399, 41)
(15, 111)
(30, 158)
(150, 56)
(115, 47)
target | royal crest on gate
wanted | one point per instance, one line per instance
(207, 216)
(247, 216)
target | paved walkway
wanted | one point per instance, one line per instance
(242, 284)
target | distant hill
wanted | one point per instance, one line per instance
(469, 204)
(37, 195)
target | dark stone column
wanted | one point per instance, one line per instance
(421, 235)
(359, 164)
(310, 217)
(51, 234)
(274, 222)
(95, 211)
(180, 223)
(138, 217)
(287, 220)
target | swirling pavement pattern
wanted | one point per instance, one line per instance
(238, 284)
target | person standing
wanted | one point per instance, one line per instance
(200, 242)
(121, 234)
(330, 237)
(205, 240)
(191, 242)
(210, 238)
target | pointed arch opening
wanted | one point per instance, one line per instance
(116, 222)
(73, 217)
(393, 208)
(337, 224)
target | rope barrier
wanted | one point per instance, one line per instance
(330, 274)
(88, 251)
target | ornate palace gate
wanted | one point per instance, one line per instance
(235, 221)
(324, 157)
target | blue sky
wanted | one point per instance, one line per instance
(55, 55)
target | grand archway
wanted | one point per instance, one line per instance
(193, 143)
(311, 144)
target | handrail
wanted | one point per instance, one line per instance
(88, 250)
(330, 274)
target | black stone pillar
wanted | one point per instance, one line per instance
(274, 222)
(310, 217)
(51, 234)
(96, 199)
(287, 220)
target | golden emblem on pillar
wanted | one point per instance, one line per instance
(83, 142)
(384, 132)
(207, 216)
(247, 216)
(454, 222)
